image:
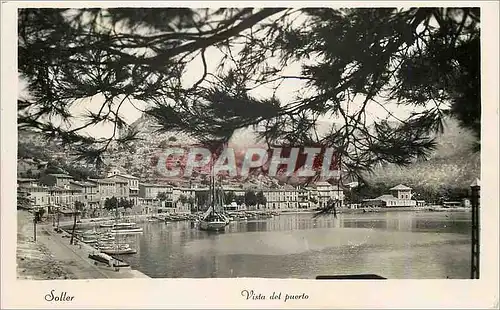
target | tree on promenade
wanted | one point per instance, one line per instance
(250, 198)
(239, 200)
(260, 199)
(111, 203)
(78, 209)
(229, 197)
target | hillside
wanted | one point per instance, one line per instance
(453, 162)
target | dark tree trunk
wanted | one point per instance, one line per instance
(34, 228)
(73, 230)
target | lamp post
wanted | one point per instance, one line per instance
(35, 219)
(475, 195)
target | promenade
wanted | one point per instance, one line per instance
(52, 257)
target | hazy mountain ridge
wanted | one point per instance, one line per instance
(453, 162)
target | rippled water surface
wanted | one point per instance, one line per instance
(410, 245)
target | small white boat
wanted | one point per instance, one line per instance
(119, 250)
(126, 230)
(106, 238)
(125, 224)
(88, 240)
(109, 246)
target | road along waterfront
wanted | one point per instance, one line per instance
(52, 257)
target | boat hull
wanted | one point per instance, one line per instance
(127, 231)
(119, 251)
(108, 260)
(212, 226)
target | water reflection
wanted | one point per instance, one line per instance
(393, 244)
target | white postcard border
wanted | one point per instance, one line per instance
(226, 293)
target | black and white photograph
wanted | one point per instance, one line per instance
(282, 141)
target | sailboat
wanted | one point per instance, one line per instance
(214, 219)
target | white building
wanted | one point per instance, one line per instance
(281, 199)
(401, 192)
(323, 192)
(148, 193)
(105, 189)
(400, 196)
(132, 185)
(38, 195)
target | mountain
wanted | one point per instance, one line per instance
(453, 163)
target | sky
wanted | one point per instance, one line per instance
(131, 111)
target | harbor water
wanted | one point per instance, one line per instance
(395, 245)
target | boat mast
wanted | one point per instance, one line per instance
(340, 181)
(212, 186)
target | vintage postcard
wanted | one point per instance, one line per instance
(249, 155)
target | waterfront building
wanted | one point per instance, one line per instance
(324, 192)
(401, 191)
(236, 191)
(64, 196)
(36, 194)
(105, 189)
(175, 207)
(233, 206)
(56, 179)
(47, 196)
(89, 191)
(400, 197)
(304, 196)
(131, 189)
(187, 192)
(281, 199)
(182, 208)
(420, 203)
(26, 182)
(148, 193)
(121, 186)
(465, 203)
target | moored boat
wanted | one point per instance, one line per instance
(88, 240)
(126, 229)
(106, 259)
(106, 237)
(110, 246)
(119, 251)
(213, 222)
(214, 218)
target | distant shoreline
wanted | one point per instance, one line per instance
(141, 218)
